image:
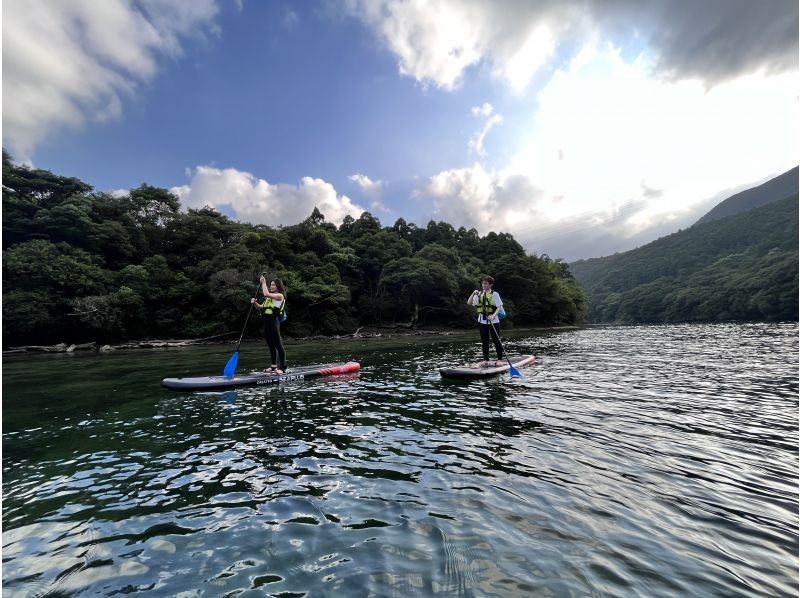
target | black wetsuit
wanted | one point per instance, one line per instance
(272, 333)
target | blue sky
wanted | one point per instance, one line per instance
(583, 128)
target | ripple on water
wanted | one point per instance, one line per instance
(648, 460)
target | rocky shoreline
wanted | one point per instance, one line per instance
(64, 348)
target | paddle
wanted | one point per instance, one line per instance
(512, 370)
(230, 367)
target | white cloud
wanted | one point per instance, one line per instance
(369, 188)
(258, 202)
(372, 190)
(484, 109)
(434, 41)
(476, 141)
(483, 199)
(66, 63)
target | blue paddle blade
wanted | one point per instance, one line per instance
(514, 372)
(230, 367)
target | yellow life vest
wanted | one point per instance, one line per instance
(270, 310)
(485, 305)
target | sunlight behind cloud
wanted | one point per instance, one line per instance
(613, 151)
(605, 131)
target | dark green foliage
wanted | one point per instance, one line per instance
(741, 267)
(80, 265)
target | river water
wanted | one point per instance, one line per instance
(646, 461)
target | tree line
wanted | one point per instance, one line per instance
(741, 267)
(82, 265)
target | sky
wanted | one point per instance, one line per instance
(581, 127)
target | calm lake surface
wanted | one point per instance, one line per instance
(644, 461)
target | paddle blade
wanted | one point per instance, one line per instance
(514, 372)
(230, 367)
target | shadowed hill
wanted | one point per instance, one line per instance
(775, 189)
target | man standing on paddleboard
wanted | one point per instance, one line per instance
(489, 306)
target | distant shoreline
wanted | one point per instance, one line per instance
(364, 333)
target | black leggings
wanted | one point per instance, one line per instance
(272, 332)
(486, 334)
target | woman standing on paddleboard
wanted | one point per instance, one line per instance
(489, 305)
(272, 310)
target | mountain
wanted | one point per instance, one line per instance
(774, 189)
(742, 266)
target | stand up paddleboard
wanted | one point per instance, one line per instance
(477, 370)
(259, 378)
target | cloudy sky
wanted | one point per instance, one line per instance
(583, 127)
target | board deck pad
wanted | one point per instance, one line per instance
(493, 367)
(259, 378)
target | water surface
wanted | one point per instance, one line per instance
(651, 460)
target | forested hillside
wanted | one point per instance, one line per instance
(80, 265)
(742, 267)
(775, 189)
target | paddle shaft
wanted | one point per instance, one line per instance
(512, 369)
(247, 319)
